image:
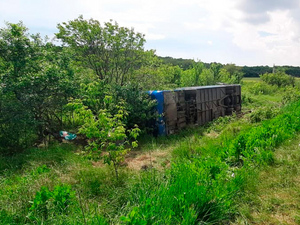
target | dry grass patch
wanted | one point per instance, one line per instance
(145, 160)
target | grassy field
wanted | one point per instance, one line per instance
(240, 169)
(275, 198)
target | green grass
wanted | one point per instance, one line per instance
(275, 198)
(251, 79)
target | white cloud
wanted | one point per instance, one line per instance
(211, 30)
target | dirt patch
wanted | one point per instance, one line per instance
(284, 219)
(144, 161)
(212, 134)
(138, 160)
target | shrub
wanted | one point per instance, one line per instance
(262, 88)
(137, 103)
(290, 95)
(247, 98)
(263, 113)
(280, 79)
(107, 132)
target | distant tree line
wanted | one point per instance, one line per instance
(248, 71)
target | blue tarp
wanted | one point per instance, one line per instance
(159, 96)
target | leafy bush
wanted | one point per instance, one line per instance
(262, 88)
(62, 197)
(290, 95)
(198, 75)
(107, 132)
(158, 76)
(247, 98)
(137, 103)
(191, 77)
(263, 113)
(36, 80)
(280, 79)
(256, 144)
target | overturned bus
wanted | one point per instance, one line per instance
(194, 105)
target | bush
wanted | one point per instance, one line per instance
(247, 98)
(263, 113)
(262, 88)
(290, 95)
(137, 103)
(280, 79)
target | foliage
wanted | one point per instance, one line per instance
(184, 64)
(198, 75)
(107, 133)
(113, 52)
(195, 192)
(263, 113)
(158, 76)
(40, 202)
(36, 81)
(290, 95)
(231, 74)
(191, 77)
(209, 170)
(262, 88)
(136, 102)
(46, 201)
(280, 79)
(256, 71)
(247, 98)
(40, 170)
(203, 186)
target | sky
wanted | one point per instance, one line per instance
(243, 32)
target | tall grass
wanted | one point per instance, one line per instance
(207, 177)
(201, 187)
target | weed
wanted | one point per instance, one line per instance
(46, 201)
(263, 113)
(40, 170)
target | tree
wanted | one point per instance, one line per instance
(231, 74)
(107, 132)
(191, 77)
(113, 52)
(36, 81)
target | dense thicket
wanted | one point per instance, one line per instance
(36, 80)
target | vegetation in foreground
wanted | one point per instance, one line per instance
(211, 170)
(274, 199)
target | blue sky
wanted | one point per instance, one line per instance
(244, 32)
